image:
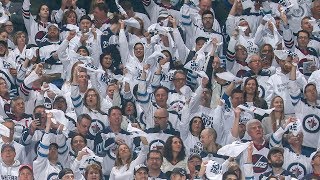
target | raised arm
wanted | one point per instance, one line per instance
(123, 45)
(27, 16)
(182, 48)
(76, 98)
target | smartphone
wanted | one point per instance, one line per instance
(37, 117)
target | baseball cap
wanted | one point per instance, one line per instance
(274, 150)
(7, 145)
(313, 155)
(163, 13)
(25, 166)
(53, 24)
(201, 38)
(194, 156)
(64, 172)
(85, 17)
(179, 171)
(139, 166)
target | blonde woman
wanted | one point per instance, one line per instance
(276, 118)
(124, 163)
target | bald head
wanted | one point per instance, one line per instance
(208, 136)
(204, 5)
(161, 118)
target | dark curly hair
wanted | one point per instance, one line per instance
(190, 123)
(167, 153)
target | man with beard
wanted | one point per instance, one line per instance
(158, 135)
(275, 160)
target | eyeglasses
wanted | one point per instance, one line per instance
(179, 79)
(154, 159)
(303, 37)
(255, 61)
(159, 117)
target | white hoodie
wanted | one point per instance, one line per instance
(277, 84)
(9, 172)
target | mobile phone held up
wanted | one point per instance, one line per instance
(37, 117)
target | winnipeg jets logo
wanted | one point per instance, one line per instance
(311, 123)
(298, 169)
(298, 12)
(260, 163)
(96, 127)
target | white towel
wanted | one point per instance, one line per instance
(256, 110)
(136, 132)
(233, 149)
(132, 22)
(214, 170)
(4, 131)
(228, 76)
(91, 67)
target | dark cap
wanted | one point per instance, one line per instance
(85, 17)
(139, 166)
(64, 172)
(179, 171)
(8, 145)
(275, 150)
(201, 38)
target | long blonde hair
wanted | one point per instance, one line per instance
(272, 114)
(118, 162)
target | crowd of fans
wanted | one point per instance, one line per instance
(170, 92)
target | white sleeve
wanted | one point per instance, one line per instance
(41, 163)
(77, 99)
(27, 17)
(57, 15)
(258, 38)
(269, 91)
(230, 24)
(182, 48)
(123, 47)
